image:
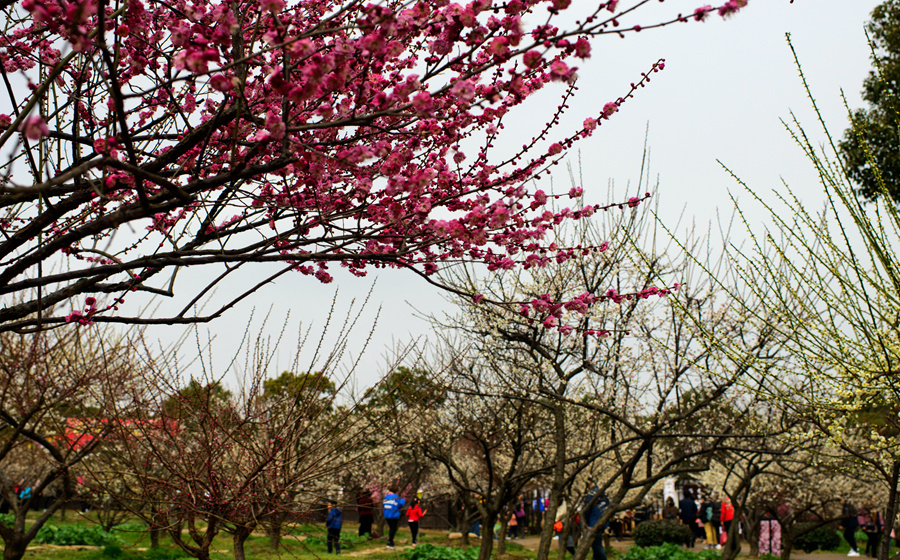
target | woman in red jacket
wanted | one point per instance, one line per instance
(414, 513)
(726, 517)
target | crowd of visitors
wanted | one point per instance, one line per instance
(868, 519)
(392, 507)
(709, 518)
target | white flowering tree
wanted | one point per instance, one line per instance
(637, 367)
(833, 280)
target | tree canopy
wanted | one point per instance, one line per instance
(871, 145)
(159, 136)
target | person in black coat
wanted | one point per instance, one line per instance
(849, 524)
(365, 507)
(687, 512)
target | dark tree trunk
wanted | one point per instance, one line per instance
(379, 524)
(733, 544)
(787, 543)
(753, 527)
(561, 545)
(556, 486)
(501, 538)
(487, 538)
(154, 538)
(17, 538)
(14, 549)
(884, 547)
(462, 525)
(238, 539)
(275, 533)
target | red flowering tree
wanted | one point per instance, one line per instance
(143, 137)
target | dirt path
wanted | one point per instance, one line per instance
(377, 550)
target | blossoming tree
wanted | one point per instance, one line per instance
(56, 393)
(141, 138)
(830, 281)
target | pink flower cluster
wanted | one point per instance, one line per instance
(327, 131)
(83, 317)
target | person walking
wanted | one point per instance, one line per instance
(333, 525)
(872, 524)
(392, 505)
(596, 506)
(726, 518)
(414, 514)
(707, 514)
(365, 507)
(513, 525)
(716, 520)
(521, 521)
(849, 524)
(687, 512)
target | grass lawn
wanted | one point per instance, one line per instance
(303, 542)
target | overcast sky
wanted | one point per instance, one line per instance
(724, 89)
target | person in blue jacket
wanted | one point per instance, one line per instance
(595, 506)
(392, 506)
(333, 524)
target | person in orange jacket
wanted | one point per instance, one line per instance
(415, 513)
(727, 515)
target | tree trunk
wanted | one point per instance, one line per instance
(787, 543)
(487, 539)
(239, 538)
(892, 507)
(563, 539)
(462, 525)
(15, 549)
(559, 475)
(379, 524)
(501, 538)
(275, 533)
(753, 533)
(588, 534)
(154, 538)
(733, 544)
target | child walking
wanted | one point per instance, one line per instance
(333, 524)
(415, 514)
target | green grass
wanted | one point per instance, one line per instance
(302, 542)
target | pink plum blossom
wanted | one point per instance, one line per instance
(34, 127)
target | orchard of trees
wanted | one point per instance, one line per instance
(586, 357)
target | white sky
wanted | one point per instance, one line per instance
(725, 86)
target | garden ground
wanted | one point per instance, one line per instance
(305, 542)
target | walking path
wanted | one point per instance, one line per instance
(531, 542)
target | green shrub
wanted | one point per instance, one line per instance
(112, 551)
(131, 527)
(668, 551)
(7, 519)
(432, 552)
(71, 535)
(822, 537)
(660, 531)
